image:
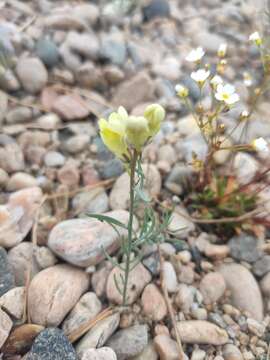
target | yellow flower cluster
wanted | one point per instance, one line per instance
(122, 132)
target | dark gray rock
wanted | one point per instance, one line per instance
(7, 280)
(129, 342)
(114, 51)
(262, 266)
(48, 52)
(152, 263)
(113, 168)
(52, 344)
(217, 320)
(244, 248)
(156, 8)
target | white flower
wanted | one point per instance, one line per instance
(181, 90)
(216, 80)
(200, 76)
(227, 94)
(244, 115)
(247, 79)
(222, 50)
(195, 55)
(260, 144)
(256, 38)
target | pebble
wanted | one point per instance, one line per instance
(5, 327)
(119, 196)
(3, 178)
(245, 292)
(94, 201)
(142, 88)
(184, 298)
(13, 302)
(44, 257)
(169, 277)
(244, 248)
(11, 158)
(70, 107)
(156, 8)
(265, 284)
(86, 309)
(148, 353)
(99, 334)
(212, 287)
(20, 181)
(255, 327)
(180, 225)
(53, 292)
(138, 278)
(54, 159)
(261, 266)
(231, 352)
(88, 12)
(18, 215)
(51, 344)
(92, 238)
(32, 74)
(19, 114)
(69, 175)
(153, 303)
(7, 280)
(129, 342)
(166, 347)
(245, 167)
(201, 332)
(104, 353)
(113, 48)
(48, 52)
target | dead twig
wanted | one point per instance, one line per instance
(169, 306)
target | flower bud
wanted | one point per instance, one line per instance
(137, 132)
(154, 114)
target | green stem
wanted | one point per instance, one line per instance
(133, 163)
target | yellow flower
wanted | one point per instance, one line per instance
(137, 132)
(113, 131)
(154, 114)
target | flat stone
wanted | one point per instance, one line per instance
(140, 86)
(153, 303)
(51, 344)
(201, 332)
(64, 22)
(53, 292)
(99, 334)
(13, 302)
(5, 327)
(82, 242)
(245, 248)
(119, 196)
(70, 107)
(180, 225)
(129, 342)
(7, 280)
(17, 217)
(32, 74)
(86, 309)
(138, 278)
(245, 292)
(20, 181)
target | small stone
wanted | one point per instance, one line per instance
(5, 327)
(99, 279)
(246, 167)
(64, 22)
(11, 158)
(88, 12)
(255, 327)
(92, 238)
(166, 347)
(142, 88)
(180, 225)
(221, 156)
(119, 196)
(153, 303)
(19, 258)
(3, 178)
(83, 44)
(244, 248)
(138, 278)
(184, 298)
(32, 74)
(111, 169)
(7, 280)
(113, 74)
(104, 353)
(48, 52)
(49, 121)
(261, 266)
(199, 313)
(201, 332)
(245, 292)
(156, 8)
(198, 354)
(212, 287)
(170, 278)
(17, 217)
(44, 257)
(148, 353)
(231, 352)
(99, 334)
(113, 48)
(265, 284)
(18, 115)
(86, 309)
(77, 143)
(21, 181)
(94, 201)
(54, 159)
(51, 344)
(70, 107)
(53, 292)
(13, 302)
(69, 175)
(129, 342)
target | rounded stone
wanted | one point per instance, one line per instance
(32, 74)
(154, 305)
(212, 287)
